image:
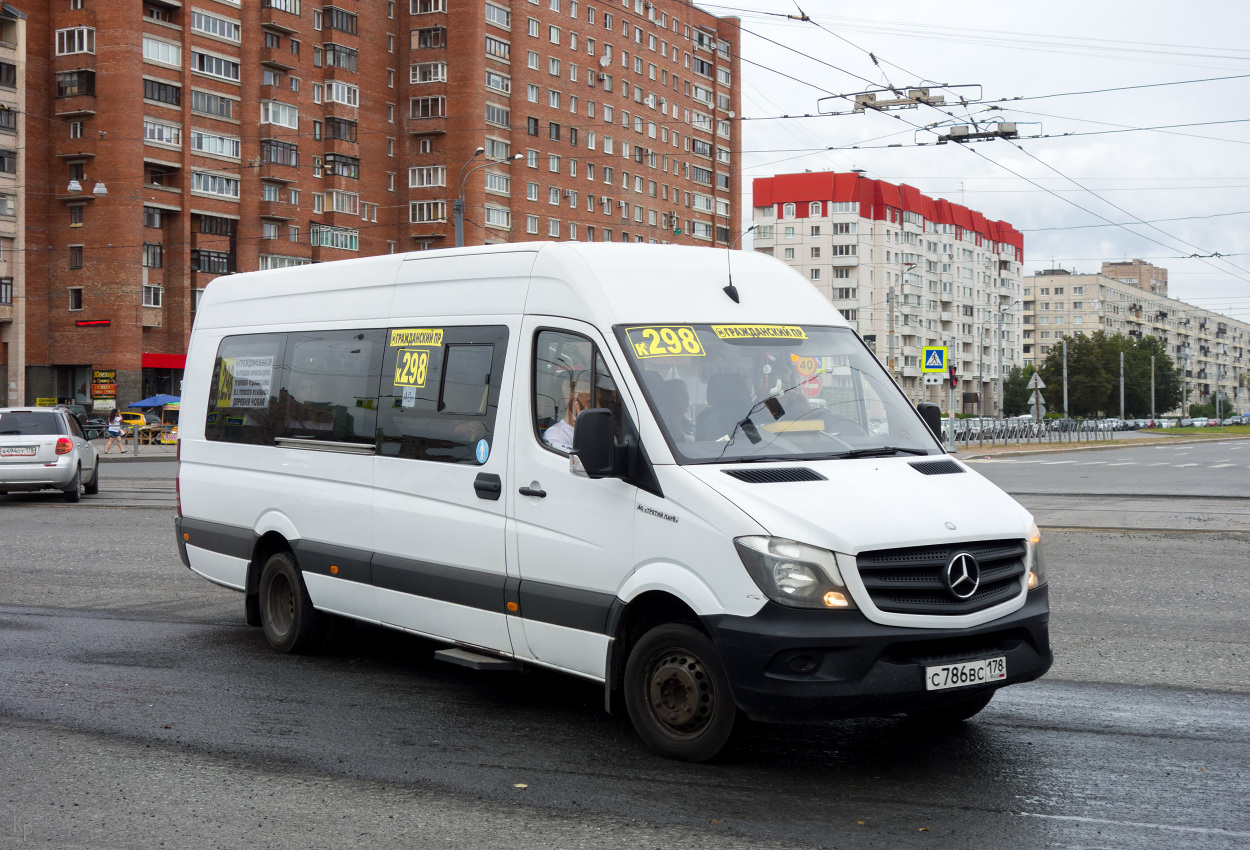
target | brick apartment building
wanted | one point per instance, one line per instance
(12, 203)
(178, 141)
(948, 273)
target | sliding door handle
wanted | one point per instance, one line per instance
(533, 491)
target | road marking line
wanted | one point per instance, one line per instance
(1056, 462)
(1164, 463)
(1203, 830)
(1179, 465)
(1223, 465)
(1127, 463)
(1093, 462)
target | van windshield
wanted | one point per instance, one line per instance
(740, 393)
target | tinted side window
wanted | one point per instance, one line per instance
(30, 424)
(570, 376)
(243, 394)
(440, 392)
(330, 386)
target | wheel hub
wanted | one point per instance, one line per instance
(680, 691)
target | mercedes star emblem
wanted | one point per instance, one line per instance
(963, 575)
(951, 526)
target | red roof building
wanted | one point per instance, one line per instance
(951, 275)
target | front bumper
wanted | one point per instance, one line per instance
(797, 664)
(16, 477)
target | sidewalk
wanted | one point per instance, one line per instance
(145, 453)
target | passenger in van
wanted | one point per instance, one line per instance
(728, 400)
(560, 435)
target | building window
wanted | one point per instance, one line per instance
(282, 153)
(498, 48)
(151, 217)
(333, 18)
(343, 93)
(151, 296)
(498, 217)
(215, 66)
(214, 26)
(213, 144)
(424, 7)
(75, 40)
(212, 105)
(210, 262)
(531, 224)
(498, 16)
(427, 107)
(425, 212)
(498, 82)
(427, 37)
(342, 165)
(74, 83)
(75, 298)
(75, 215)
(6, 290)
(276, 112)
(338, 56)
(427, 72)
(340, 128)
(75, 257)
(214, 184)
(497, 149)
(422, 177)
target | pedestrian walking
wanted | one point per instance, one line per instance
(115, 432)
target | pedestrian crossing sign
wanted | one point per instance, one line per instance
(934, 359)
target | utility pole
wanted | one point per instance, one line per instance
(1064, 340)
(1152, 386)
(889, 303)
(999, 344)
(1121, 386)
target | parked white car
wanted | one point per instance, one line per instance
(46, 449)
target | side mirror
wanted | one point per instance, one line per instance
(932, 416)
(594, 445)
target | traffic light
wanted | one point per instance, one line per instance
(954, 379)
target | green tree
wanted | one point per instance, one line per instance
(1199, 410)
(1016, 390)
(1094, 375)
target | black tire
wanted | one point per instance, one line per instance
(287, 615)
(956, 712)
(677, 693)
(92, 487)
(74, 491)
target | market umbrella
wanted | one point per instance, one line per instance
(156, 401)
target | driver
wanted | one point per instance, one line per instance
(577, 398)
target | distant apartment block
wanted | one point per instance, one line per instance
(1213, 350)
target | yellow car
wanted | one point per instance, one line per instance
(130, 420)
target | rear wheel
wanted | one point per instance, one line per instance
(93, 486)
(677, 693)
(290, 621)
(956, 712)
(74, 491)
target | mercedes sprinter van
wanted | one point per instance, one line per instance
(675, 471)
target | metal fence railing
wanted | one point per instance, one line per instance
(970, 433)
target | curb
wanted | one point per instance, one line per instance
(140, 459)
(980, 454)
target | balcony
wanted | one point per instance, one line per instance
(82, 104)
(948, 317)
(152, 317)
(426, 126)
(276, 209)
(334, 109)
(280, 15)
(278, 57)
(280, 172)
(83, 148)
(6, 312)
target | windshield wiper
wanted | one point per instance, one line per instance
(879, 451)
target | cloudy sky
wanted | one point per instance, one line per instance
(1198, 176)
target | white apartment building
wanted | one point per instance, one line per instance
(1214, 349)
(950, 274)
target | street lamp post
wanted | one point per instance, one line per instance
(457, 205)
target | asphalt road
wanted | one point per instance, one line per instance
(137, 710)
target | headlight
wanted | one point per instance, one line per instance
(1037, 561)
(794, 574)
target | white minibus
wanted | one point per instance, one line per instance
(675, 471)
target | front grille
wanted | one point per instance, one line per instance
(911, 580)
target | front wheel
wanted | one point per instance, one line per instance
(677, 693)
(956, 712)
(290, 621)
